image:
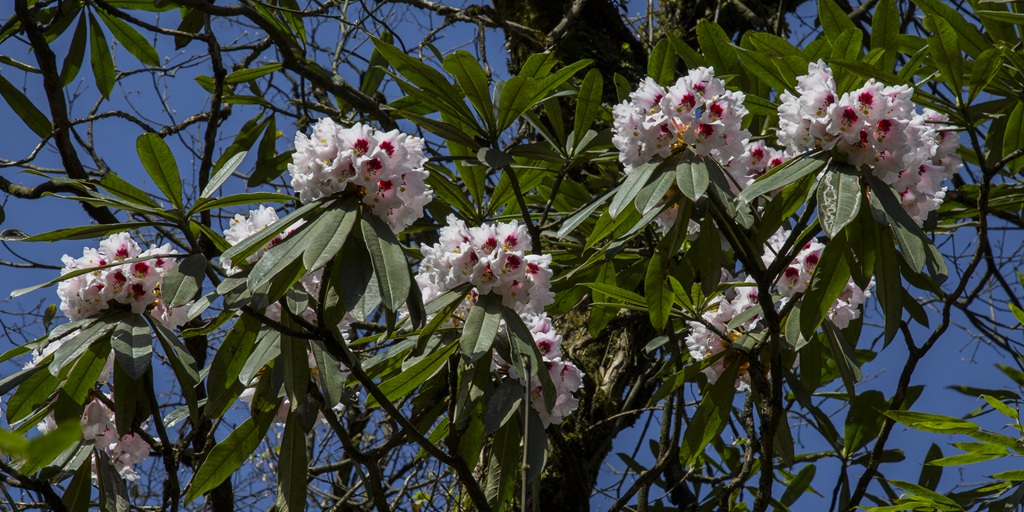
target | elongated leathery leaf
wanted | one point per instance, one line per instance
(389, 264)
(481, 327)
(228, 455)
(711, 416)
(839, 197)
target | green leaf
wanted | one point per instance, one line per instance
(337, 221)
(828, 281)
(711, 416)
(659, 293)
(76, 52)
(132, 342)
(588, 104)
(431, 81)
(933, 422)
(661, 66)
(945, 53)
(970, 38)
(481, 327)
(222, 384)
(717, 47)
(916, 248)
(472, 78)
(1013, 137)
(248, 74)
(269, 165)
(22, 106)
(765, 69)
(863, 420)
(691, 174)
(76, 495)
(159, 162)
(502, 464)
(291, 468)
(1000, 406)
(931, 475)
(632, 185)
(783, 175)
(184, 281)
(885, 32)
(798, 484)
(113, 491)
(839, 198)
(518, 94)
(890, 284)
(32, 393)
(130, 39)
(389, 263)
(102, 62)
(983, 71)
(927, 494)
(119, 187)
(182, 364)
(83, 376)
(222, 174)
(412, 377)
(834, 21)
(228, 455)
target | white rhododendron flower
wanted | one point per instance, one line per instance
(797, 276)
(385, 169)
(98, 425)
(243, 227)
(696, 111)
(876, 128)
(136, 285)
(494, 259)
(703, 342)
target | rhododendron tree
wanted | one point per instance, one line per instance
(376, 276)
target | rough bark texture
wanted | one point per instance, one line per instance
(598, 33)
(617, 378)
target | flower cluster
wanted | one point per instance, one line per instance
(704, 339)
(98, 426)
(493, 258)
(259, 219)
(696, 111)
(756, 159)
(136, 285)
(797, 276)
(243, 227)
(385, 169)
(566, 377)
(876, 127)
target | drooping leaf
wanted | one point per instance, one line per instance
(130, 39)
(839, 198)
(159, 162)
(132, 342)
(389, 263)
(481, 327)
(76, 53)
(711, 416)
(25, 109)
(292, 467)
(102, 62)
(588, 103)
(228, 455)
(184, 281)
